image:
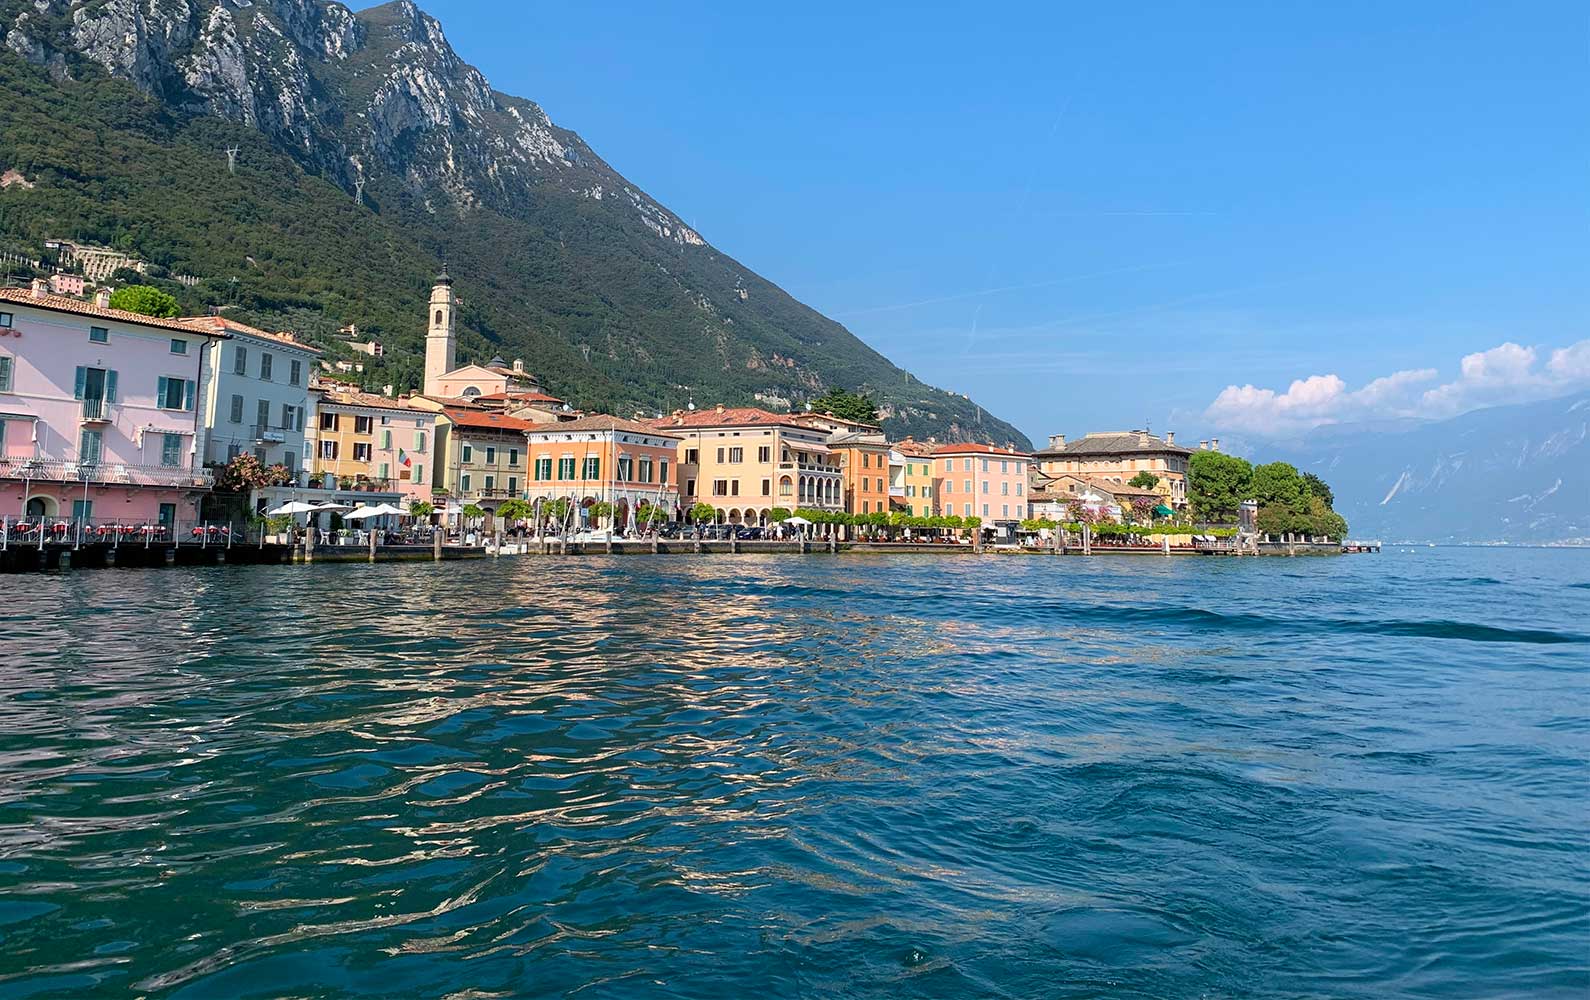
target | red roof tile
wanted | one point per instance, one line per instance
(978, 448)
(486, 420)
(67, 304)
(220, 324)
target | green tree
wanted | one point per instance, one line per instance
(145, 300)
(703, 513)
(1144, 480)
(846, 405)
(1217, 484)
(473, 511)
(778, 515)
(1317, 487)
(599, 511)
(419, 508)
(1276, 484)
(515, 510)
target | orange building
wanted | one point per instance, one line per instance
(603, 459)
(863, 454)
(744, 461)
(361, 440)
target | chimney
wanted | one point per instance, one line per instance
(1203, 445)
(1057, 441)
(1170, 437)
(1214, 444)
(719, 408)
(386, 390)
(40, 287)
(102, 298)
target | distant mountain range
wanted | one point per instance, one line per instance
(1514, 474)
(367, 151)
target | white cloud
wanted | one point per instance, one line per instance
(1508, 373)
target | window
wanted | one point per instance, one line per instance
(295, 372)
(265, 362)
(82, 510)
(491, 455)
(949, 487)
(328, 451)
(736, 455)
(328, 421)
(292, 418)
(626, 469)
(491, 483)
(5, 374)
(171, 450)
(463, 482)
(236, 415)
(720, 456)
(89, 446)
(764, 454)
(565, 468)
(692, 456)
(385, 472)
(239, 360)
(734, 487)
(1018, 488)
(98, 335)
(1004, 510)
(5, 320)
(985, 465)
(985, 510)
(543, 469)
(290, 461)
(927, 491)
(967, 508)
(262, 416)
(419, 441)
(466, 453)
(513, 458)
(967, 483)
(784, 487)
(1004, 466)
(174, 393)
(386, 440)
(966, 464)
(593, 469)
(985, 486)
(419, 473)
(363, 425)
(662, 471)
(690, 487)
(645, 470)
(866, 461)
(720, 487)
(1004, 488)
(361, 451)
(949, 465)
(767, 487)
(179, 346)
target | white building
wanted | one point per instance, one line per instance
(258, 401)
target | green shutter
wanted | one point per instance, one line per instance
(82, 378)
(187, 394)
(110, 387)
(160, 393)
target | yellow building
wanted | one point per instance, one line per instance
(365, 441)
(912, 478)
(1116, 457)
(745, 461)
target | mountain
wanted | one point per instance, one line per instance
(1517, 474)
(367, 152)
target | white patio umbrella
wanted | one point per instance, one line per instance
(332, 507)
(799, 522)
(293, 507)
(386, 508)
(360, 513)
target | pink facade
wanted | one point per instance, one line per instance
(978, 480)
(99, 412)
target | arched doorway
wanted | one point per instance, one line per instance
(40, 507)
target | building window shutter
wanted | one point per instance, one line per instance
(160, 389)
(110, 386)
(187, 394)
(82, 377)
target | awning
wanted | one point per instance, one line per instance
(1163, 511)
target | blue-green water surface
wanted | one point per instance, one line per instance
(739, 776)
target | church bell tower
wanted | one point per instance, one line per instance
(441, 338)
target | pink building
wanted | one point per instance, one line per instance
(979, 480)
(67, 284)
(99, 411)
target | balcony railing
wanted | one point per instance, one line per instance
(269, 434)
(105, 473)
(96, 411)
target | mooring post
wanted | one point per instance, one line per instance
(1087, 539)
(372, 545)
(436, 544)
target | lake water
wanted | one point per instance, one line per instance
(899, 776)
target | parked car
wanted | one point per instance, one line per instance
(749, 533)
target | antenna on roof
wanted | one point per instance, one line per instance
(231, 158)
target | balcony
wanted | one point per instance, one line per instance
(897, 491)
(105, 473)
(266, 434)
(96, 411)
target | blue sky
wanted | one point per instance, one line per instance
(1092, 216)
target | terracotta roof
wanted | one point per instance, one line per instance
(601, 422)
(731, 416)
(1107, 486)
(67, 304)
(854, 425)
(519, 397)
(353, 397)
(220, 324)
(978, 448)
(916, 449)
(1115, 443)
(485, 420)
